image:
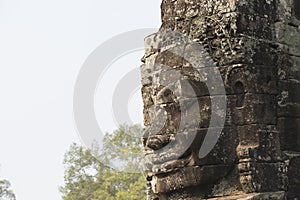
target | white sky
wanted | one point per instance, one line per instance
(42, 46)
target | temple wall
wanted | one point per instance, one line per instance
(255, 46)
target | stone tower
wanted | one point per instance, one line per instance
(255, 47)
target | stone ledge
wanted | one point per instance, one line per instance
(255, 196)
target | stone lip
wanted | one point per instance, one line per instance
(254, 196)
(170, 166)
(188, 176)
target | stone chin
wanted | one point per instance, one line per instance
(169, 171)
(179, 174)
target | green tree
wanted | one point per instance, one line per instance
(89, 178)
(5, 191)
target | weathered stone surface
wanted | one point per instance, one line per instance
(294, 170)
(289, 133)
(259, 143)
(258, 196)
(290, 91)
(253, 109)
(254, 79)
(188, 176)
(293, 160)
(262, 177)
(288, 35)
(289, 67)
(224, 151)
(254, 48)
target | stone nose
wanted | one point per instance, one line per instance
(156, 142)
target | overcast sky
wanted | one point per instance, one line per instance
(43, 44)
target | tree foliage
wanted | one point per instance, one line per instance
(5, 191)
(89, 177)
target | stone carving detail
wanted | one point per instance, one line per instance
(255, 46)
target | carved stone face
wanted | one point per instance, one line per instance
(255, 45)
(177, 112)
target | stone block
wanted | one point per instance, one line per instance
(289, 110)
(205, 111)
(261, 8)
(169, 59)
(254, 196)
(190, 88)
(294, 171)
(296, 8)
(253, 79)
(188, 176)
(260, 52)
(263, 177)
(259, 143)
(293, 193)
(253, 109)
(284, 11)
(289, 129)
(224, 151)
(253, 25)
(288, 35)
(196, 112)
(289, 92)
(218, 147)
(288, 67)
